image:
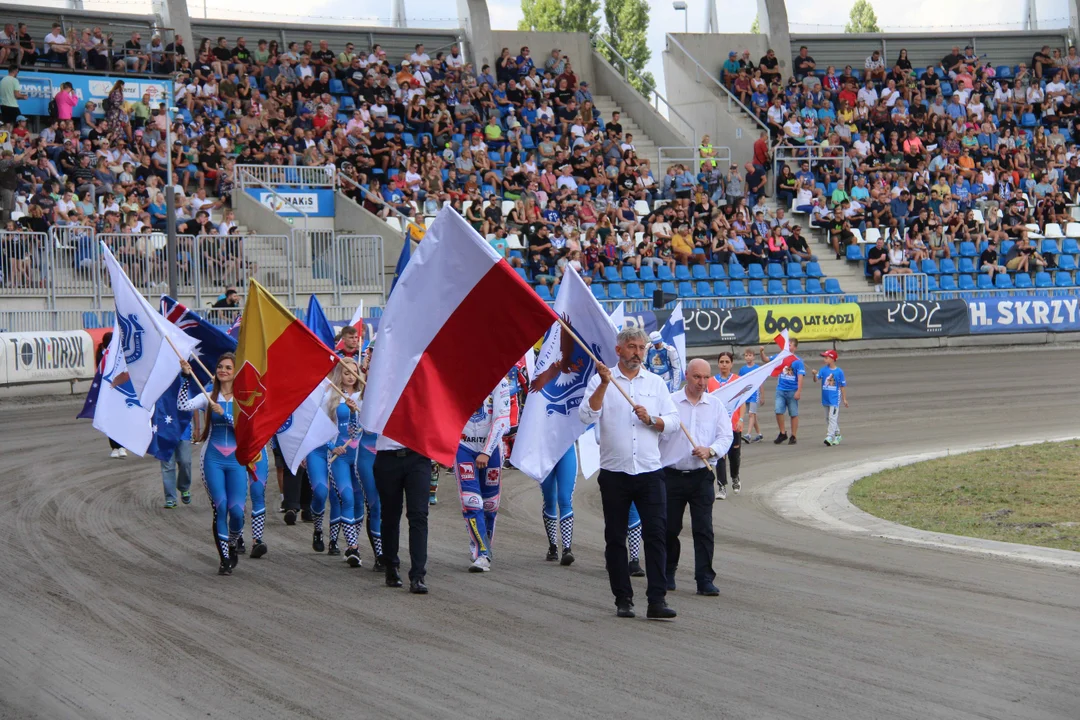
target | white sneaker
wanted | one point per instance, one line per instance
(115, 453)
(481, 564)
(121, 453)
(721, 492)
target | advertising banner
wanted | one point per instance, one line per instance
(914, 319)
(733, 326)
(37, 357)
(813, 321)
(1024, 313)
(314, 203)
(43, 86)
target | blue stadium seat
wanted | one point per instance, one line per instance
(543, 292)
(703, 288)
(1066, 262)
(682, 272)
(794, 270)
(409, 139)
(795, 287)
(946, 89)
(686, 289)
(947, 267)
(611, 274)
(967, 282)
(1027, 120)
(854, 252)
(648, 289)
(1002, 281)
(813, 286)
(699, 273)
(983, 282)
(1063, 280)
(1003, 72)
(775, 287)
(832, 286)
(521, 274)
(629, 274)
(647, 274)
(599, 291)
(756, 288)
(669, 288)
(968, 249)
(929, 266)
(1006, 246)
(813, 270)
(948, 284)
(1043, 280)
(336, 87)
(932, 283)
(754, 272)
(663, 273)
(967, 265)
(633, 291)
(1023, 281)
(720, 288)
(1049, 245)
(737, 289)
(615, 291)
(775, 271)
(716, 272)
(736, 272)
(1069, 246)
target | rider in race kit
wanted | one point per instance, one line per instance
(664, 360)
(479, 471)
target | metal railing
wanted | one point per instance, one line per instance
(67, 263)
(246, 179)
(1000, 293)
(684, 155)
(783, 154)
(269, 176)
(913, 286)
(621, 66)
(700, 70)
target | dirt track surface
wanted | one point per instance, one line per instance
(110, 606)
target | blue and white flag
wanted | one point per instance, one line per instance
(118, 413)
(169, 423)
(318, 324)
(674, 333)
(307, 428)
(549, 422)
(618, 316)
(144, 337)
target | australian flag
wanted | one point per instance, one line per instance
(212, 341)
(170, 424)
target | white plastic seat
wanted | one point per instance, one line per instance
(1072, 230)
(858, 235)
(641, 207)
(393, 222)
(872, 234)
(978, 215)
(513, 241)
(507, 206)
(1053, 230)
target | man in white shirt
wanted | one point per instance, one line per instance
(419, 57)
(868, 93)
(400, 472)
(688, 472)
(631, 471)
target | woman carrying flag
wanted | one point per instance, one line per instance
(343, 476)
(224, 477)
(734, 455)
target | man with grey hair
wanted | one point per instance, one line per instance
(631, 470)
(688, 472)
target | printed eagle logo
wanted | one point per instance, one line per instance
(569, 362)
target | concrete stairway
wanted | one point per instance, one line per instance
(645, 147)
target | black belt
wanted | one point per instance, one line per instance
(684, 473)
(400, 452)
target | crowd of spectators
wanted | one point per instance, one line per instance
(960, 166)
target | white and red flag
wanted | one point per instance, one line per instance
(460, 317)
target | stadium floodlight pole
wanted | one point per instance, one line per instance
(680, 6)
(171, 249)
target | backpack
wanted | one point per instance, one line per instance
(54, 111)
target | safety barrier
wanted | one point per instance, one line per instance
(278, 175)
(67, 263)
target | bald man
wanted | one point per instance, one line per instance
(688, 472)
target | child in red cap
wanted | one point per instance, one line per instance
(833, 392)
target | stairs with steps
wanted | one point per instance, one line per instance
(644, 146)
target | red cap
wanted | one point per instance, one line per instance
(831, 354)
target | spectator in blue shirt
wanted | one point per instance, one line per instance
(788, 392)
(901, 208)
(954, 109)
(730, 69)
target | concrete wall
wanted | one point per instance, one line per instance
(540, 44)
(665, 132)
(698, 99)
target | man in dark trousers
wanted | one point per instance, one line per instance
(400, 472)
(630, 466)
(688, 472)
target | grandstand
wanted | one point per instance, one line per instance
(303, 155)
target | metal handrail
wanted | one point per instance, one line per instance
(402, 217)
(730, 95)
(721, 154)
(240, 173)
(656, 98)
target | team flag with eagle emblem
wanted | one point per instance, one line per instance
(549, 423)
(279, 361)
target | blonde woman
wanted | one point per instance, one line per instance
(341, 455)
(318, 467)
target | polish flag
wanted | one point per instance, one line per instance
(781, 341)
(459, 319)
(357, 322)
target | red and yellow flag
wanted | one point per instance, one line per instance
(279, 362)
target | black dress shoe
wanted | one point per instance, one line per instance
(417, 587)
(234, 555)
(393, 579)
(290, 517)
(635, 569)
(305, 515)
(671, 581)
(708, 589)
(380, 564)
(624, 609)
(660, 611)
